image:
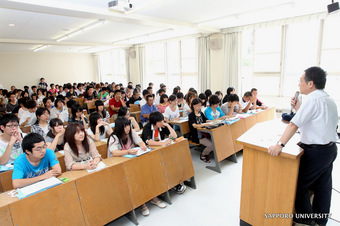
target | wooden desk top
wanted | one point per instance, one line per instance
(265, 134)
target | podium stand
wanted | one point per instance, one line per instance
(268, 182)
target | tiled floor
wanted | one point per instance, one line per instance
(216, 201)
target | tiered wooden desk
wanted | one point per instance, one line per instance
(101, 197)
(224, 137)
(268, 183)
(183, 126)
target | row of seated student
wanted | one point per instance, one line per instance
(34, 163)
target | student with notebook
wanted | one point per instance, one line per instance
(121, 142)
(10, 139)
(197, 120)
(34, 165)
(98, 128)
(123, 139)
(80, 151)
(214, 111)
(154, 133)
(55, 137)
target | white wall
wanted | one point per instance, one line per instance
(216, 66)
(21, 69)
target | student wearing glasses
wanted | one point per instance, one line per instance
(34, 165)
(10, 139)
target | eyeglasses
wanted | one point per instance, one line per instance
(41, 148)
(12, 125)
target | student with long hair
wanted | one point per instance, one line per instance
(123, 139)
(124, 111)
(102, 111)
(120, 143)
(78, 116)
(163, 103)
(80, 151)
(41, 126)
(197, 120)
(55, 137)
(186, 108)
(98, 128)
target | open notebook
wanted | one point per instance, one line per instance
(37, 187)
(139, 152)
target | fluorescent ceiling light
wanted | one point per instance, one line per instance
(40, 48)
(81, 30)
(62, 38)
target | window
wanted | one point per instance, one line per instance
(261, 60)
(173, 63)
(113, 67)
(301, 53)
(329, 54)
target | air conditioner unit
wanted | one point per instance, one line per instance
(215, 44)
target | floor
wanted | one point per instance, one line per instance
(216, 201)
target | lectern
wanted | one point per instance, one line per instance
(268, 182)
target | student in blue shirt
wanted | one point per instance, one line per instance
(147, 109)
(34, 165)
(214, 111)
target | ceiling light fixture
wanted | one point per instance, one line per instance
(11, 25)
(81, 30)
(40, 48)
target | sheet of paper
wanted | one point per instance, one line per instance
(100, 166)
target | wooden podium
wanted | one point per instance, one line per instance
(268, 182)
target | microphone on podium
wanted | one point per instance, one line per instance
(295, 99)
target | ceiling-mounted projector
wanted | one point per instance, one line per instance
(120, 5)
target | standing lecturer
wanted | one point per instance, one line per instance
(317, 118)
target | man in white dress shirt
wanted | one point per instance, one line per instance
(317, 118)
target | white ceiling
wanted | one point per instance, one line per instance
(42, 22)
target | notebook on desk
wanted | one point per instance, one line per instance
(37, 187)
(100, 166)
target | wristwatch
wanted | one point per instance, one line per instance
(281, 144)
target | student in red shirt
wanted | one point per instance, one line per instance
(115, 103)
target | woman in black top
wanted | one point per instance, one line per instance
(197, 120)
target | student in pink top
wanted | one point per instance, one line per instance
(163, 103)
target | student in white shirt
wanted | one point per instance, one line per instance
(247, 101)
(59, 110)
(143, 101)
(172, 111)
(98, 128)
(29, 118)
(10, 139)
